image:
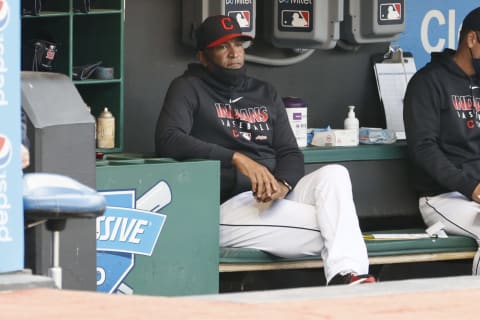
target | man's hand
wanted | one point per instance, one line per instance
(264, 185)
(282, 191)
(476, 194)
(280, 194)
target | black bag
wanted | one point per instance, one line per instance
(31, 7)
(86, 71)
(81, 6)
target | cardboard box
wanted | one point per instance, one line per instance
(336, 138)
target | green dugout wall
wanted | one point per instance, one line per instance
(159, 235)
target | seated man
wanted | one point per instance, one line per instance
(215, 111)
(442, 123)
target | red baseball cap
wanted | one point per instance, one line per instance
(216, 30)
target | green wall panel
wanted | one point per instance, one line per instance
(185, 258)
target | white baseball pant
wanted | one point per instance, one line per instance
(317, 218)
(458, 214)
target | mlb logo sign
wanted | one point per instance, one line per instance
(391, 11)
(243, 18)
(295, 18)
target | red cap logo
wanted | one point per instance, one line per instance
(227, 23)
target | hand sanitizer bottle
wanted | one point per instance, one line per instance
(351, 122)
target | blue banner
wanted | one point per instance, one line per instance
(433, 25)
(11, 207)
(112, 269)
(128, 230)
(128, 227)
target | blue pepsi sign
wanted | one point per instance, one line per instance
(433, 25)
(11, 208)
(5, 151)
(5, 14)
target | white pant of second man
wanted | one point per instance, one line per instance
(458, 215)
(317, 218)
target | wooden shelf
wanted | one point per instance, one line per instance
(392, 151)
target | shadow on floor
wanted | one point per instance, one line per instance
(270, 280)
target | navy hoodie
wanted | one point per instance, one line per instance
(205, 118)
(441, 116)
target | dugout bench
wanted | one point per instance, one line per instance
(385, 202)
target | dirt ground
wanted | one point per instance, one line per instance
(66, 304)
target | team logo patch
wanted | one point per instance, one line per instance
(261, 138)
(227, 23)
(5, 151)
(246, 135)
(235, 133)
(4, 14)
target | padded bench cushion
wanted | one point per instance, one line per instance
(56, 196)
(376, 248)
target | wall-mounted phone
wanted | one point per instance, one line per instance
(303, 23)
(373, 21)
(195, 11)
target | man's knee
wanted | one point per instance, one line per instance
(335, 171)
(331, 174)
